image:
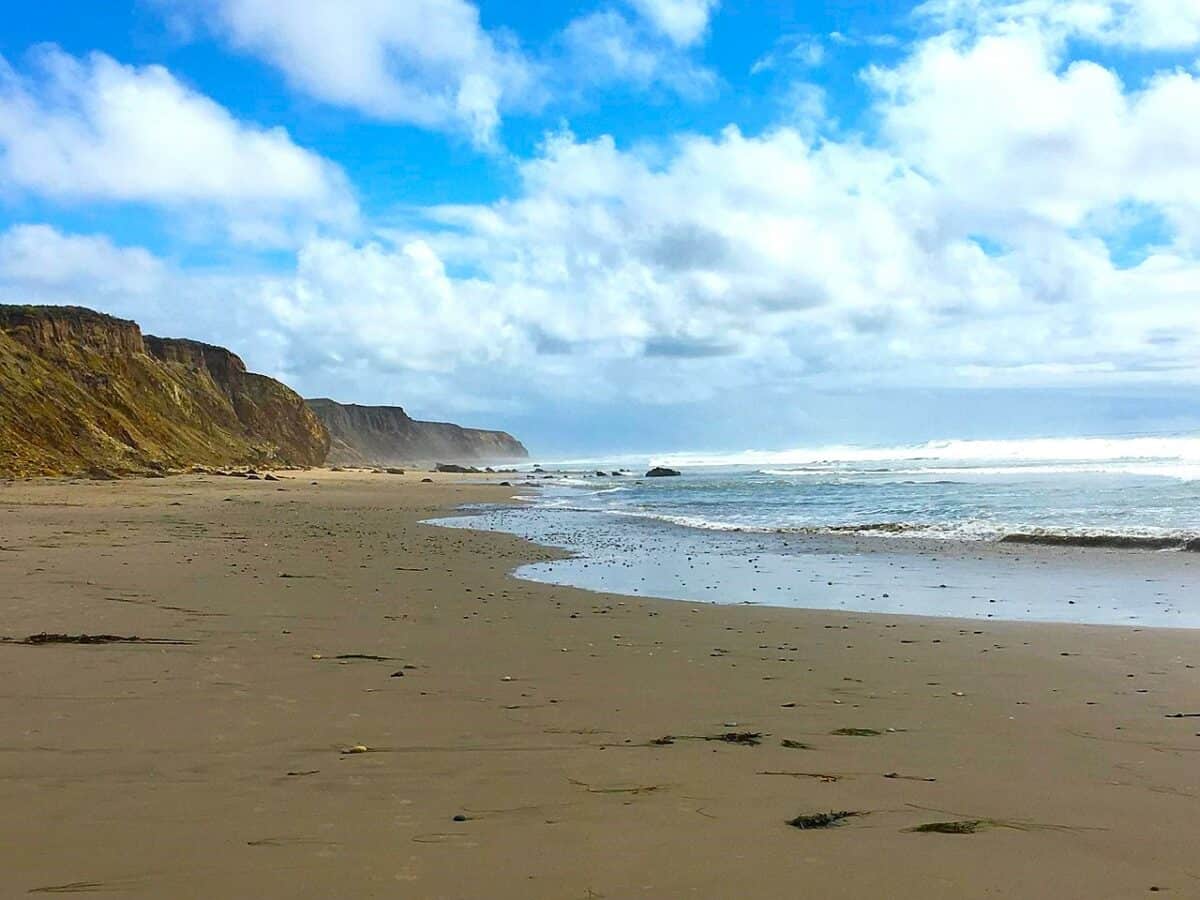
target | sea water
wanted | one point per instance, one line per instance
(926, 530)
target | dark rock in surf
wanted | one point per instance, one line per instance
(1101, 541)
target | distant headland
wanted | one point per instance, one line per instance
(84, 393)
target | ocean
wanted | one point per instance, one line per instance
(933, 529)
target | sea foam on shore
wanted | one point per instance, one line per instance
(940, 529)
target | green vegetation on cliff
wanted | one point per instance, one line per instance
(82, 392)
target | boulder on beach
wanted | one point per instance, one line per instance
(662, 472)
(456, 469)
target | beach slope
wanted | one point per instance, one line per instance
(336, 700)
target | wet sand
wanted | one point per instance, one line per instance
(509, 727)
(978, 580)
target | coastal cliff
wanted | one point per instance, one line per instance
(83, 392)
(383, 435)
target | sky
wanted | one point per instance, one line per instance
(633, 225)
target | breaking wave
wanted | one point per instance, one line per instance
(1171, 455)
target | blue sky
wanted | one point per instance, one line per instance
(633, 224)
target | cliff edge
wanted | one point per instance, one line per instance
(385, 435)
(83, 392)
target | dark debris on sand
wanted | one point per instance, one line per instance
(749, 738)
(49, 638)
(822, 819)
(745, 738)
(965, 826)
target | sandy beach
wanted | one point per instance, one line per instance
(510, 733)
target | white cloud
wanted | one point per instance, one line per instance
(395, 304)
(791, 50)
(91, 129)
(432, 64)
(1145, 24)
(864, 40)
(683, 21)
(425, 62)
(604, 48)
(723, 263)
(731, 263)
(805, 106)
(41, 260)
(964, 244)
(42, 264)
(1015, 139)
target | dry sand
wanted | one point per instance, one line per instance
(216, 769)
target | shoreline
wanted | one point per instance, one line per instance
(1008, 505)
(216, 768)
(905, 575)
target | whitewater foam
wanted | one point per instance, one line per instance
(1145, 489)
(1180, 450)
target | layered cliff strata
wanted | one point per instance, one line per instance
(382, 435)
(85, 392)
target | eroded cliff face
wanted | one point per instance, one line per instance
(387, 435)
(84, 392)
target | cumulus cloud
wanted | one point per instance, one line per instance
(432, 64)
(683, 21)
(1144, 24)
(605, 48)
(40, 262)
(970, 241)
(726, 262)
(92, 129)
(408, 313)
(961, 247)
(425, 62)
(718, 264)
(1017, 138)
